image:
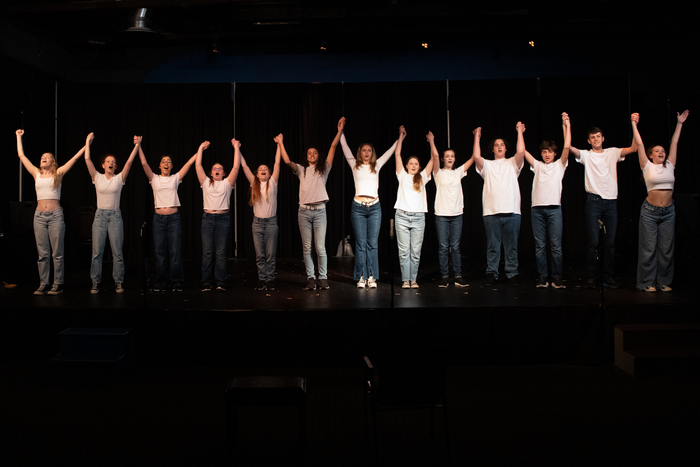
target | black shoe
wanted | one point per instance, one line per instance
(443, 283)
(261, 286)
(514, 281)
(311, 285)
(557, 283)
(177, 288)
(206, 288)
(221, 288)
(323, 284)
(270, 285)
(612, 283)
(542, 282)
(460, 282)
(491, 280)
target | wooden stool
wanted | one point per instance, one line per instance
(265, 391)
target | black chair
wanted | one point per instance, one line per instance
(406, 379)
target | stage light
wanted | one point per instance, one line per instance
(532, 43)
(425, 45)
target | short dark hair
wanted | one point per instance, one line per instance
(592, 130)
(550, 145)
(493, 142)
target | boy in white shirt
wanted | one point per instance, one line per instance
(600, 167)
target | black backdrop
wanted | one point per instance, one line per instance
(174, 119)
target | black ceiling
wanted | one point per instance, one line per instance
(79, 24)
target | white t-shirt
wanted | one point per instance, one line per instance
(449, 199)
(601, 171)
(312, 186)
(366, 183)
(266, 206)
(108, 192)
(501, 193)
(407, 198)
(165, 190)
(546, 187)
(658, 177)
(217, 197)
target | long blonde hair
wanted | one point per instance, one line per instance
(57, 177)
(417, 178)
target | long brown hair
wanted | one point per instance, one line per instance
(417, 178)
(255, 191)
(372, 160)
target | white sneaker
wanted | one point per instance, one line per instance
(406, 285)
(371, 283)
(362, 283)
(414, 284)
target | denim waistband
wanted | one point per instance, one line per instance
(367, 203)
(313, 207)
(650, 207)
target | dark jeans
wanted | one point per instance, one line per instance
(604, 210)
(167, 241)
(214, 234)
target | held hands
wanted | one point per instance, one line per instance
(21, 132)
(341, 124)
(520, 127)
(137, 140)
(279, 139)
(204, 145)
(477, 133)
(565, 120)
(430, 137)
(680, 117)
(89, 139)
(635, 118)
(235, 143)
(402, 132)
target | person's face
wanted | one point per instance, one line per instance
(166, 165)
(412, 166)
(217, 172)
(312, 156)
(46, 161)
(448, 159)
(109, 165)
(658, 155)
(366, 153)
(548, 155)
(596, 140)
(499, 149)
(263, 173)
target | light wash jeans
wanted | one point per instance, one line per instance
(547, 221)
(657, 232)
(214, 234)
(410, 228)
(449, 233)
(107, 222)
(502, 229)
(312, 226)
(366, 222)
(167, 240)
(49, 232)
(265, 234)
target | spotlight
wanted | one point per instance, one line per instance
(425, 45)
(532, 43)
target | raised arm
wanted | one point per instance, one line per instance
(566, 127)
(346, 151)
(276, 169)
(434, 154)
(201, 174)
(573, 150)
(673, 150)
(132, 156)
(520, 146)
(279, 139)
(520, 151)
(633, 148)
(88, 161)
(71, 162)
(186, 168)
(31, 168)
(397, 151)
(641, 153)
(236, 163)
(476, 150)
(144, 163)
(246, 170)
(334, 144)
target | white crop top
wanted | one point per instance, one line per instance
(658, 177)
(44, 189)
(217, 196)
(108, 191)
(366, 183)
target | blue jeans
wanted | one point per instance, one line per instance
(410, 227)
(547, 221)
(366, 222)
(107, 222)
(605, 210)
(312, 226)
(49, 232)
(265, 233)
(167, 241)
(214, 235)
(449, 233)
(657, 232)
(502, 229)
